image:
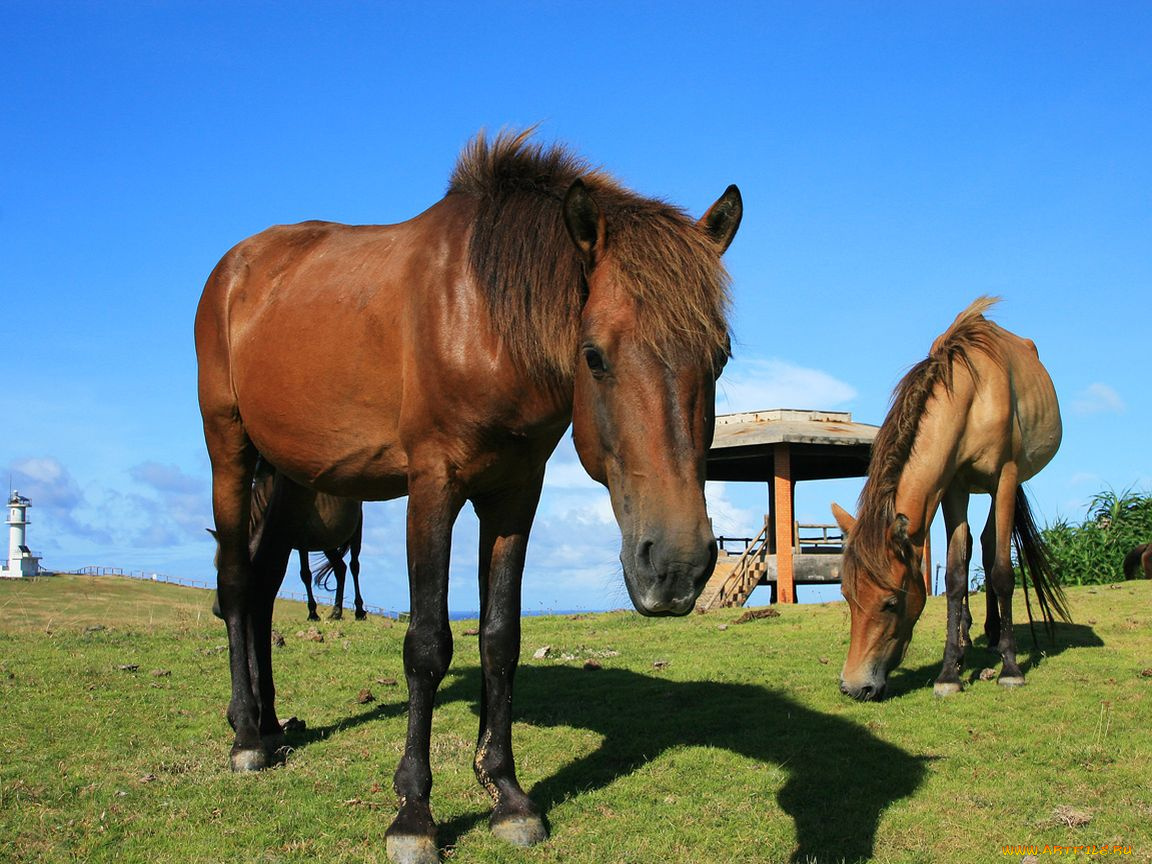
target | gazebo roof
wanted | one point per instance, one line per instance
(823, 445)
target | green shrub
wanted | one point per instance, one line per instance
(1092, 552)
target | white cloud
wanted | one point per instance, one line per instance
(1098, 398)
(167, 478)
(47, 482)
(58, 497)
(565, 471)
(756, 383)
(728, 518)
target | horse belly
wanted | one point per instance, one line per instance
(1037, 416)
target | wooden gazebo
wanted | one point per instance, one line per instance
(782, 448)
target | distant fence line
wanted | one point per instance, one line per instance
(196, 583)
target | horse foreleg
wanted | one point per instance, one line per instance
(996, 541)
(354, 566)
(504, 525)
(957, 638)
(433, 505)
(340, 571)
(306, 578)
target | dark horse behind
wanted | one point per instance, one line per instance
(284, 513)
(443, 358)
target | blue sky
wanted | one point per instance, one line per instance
(896, 161)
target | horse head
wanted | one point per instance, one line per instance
(644, 408)
(885, 598)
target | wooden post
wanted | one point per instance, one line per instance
(782, 486)
(928, 563)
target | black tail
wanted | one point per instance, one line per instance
(1037, 566)
(1132, 562)
(321, 574)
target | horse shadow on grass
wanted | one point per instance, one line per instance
(840, 776)
(1033, 649)
(298, 734)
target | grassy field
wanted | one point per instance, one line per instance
(697, 740)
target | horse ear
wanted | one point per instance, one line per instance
(723, 218)
(213, 533)
(843, 518)
(584, 220)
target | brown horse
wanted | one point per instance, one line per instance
(1138, 559)
(442, 358)
(978, 415)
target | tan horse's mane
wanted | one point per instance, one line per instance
(876, 510)
(532, 274)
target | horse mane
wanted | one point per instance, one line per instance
(876, 509)
(532, 274)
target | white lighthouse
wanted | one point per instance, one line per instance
(21, 562)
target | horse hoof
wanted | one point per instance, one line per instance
(520, 830)
(946, 688)
(1011, 681)
(411, 849)
(274, 741)
(244, 761)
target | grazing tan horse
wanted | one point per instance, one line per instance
(443, 358)
(978, 415)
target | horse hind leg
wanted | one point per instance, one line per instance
(340, 571)
(233, 464)
(354, 567)
(306, 578)
(995, 544)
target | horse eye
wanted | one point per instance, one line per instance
(891, 603)
(595, 361)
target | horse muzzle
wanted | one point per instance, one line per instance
(871, 691)
(666, 579)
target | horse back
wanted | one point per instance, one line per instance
(279, 313)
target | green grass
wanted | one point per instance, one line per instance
(699, 740)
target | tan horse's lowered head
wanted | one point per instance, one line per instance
(885, 605)
(979, 414)
(654, 469)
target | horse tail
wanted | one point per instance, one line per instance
(1133, 560)
(264, 487)
(321, 574)
(1033, 559)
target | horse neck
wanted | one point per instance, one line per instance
(930, 467)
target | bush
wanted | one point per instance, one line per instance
(1092, 552)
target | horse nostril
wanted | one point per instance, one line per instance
(644, 559)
